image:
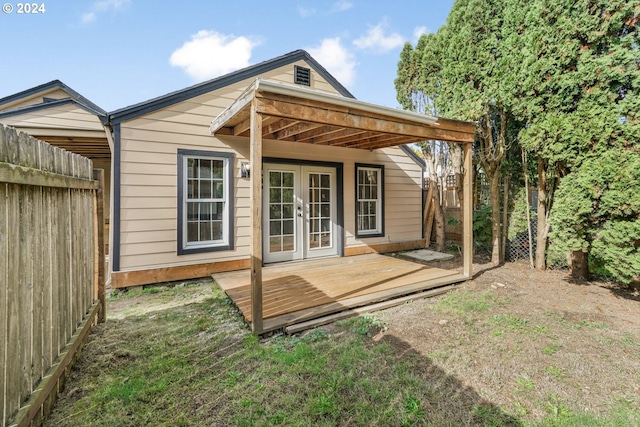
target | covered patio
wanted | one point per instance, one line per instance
(275, 296)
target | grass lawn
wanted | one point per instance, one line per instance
(181, 356)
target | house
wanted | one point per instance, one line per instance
(55, 113)
(272, 163)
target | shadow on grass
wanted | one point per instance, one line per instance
(447, 399)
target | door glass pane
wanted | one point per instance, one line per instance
(287, 195)
(275, 244)
(275, 228)
(287, 243)
(275, 195)
(287, 179)
(274, 179)
(281, 211)
(319, 210)
(275, 211)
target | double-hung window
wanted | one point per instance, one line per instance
(205, 201)
(369, 200)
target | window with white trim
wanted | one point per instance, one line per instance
(205, 182)
(369, 200)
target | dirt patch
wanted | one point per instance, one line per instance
(529, 341)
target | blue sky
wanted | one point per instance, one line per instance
(121, 52)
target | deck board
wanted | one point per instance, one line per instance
(298, 291)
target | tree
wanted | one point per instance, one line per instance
(572, 74)
(468, 83)
(414, 95)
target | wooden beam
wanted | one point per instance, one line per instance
(342, 136)
(256, 218)
(297, 129)
(380, 141)
(273, 129)
(467, 213)
(319, 131)
(242, 128)
(13, 174)
(227, 115)
(354, 120)
(124, 279)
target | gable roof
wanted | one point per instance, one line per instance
(154, 104)
(45, 88)
(102, 116)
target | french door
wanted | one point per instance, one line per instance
(299, 211)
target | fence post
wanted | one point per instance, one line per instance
(98, 175)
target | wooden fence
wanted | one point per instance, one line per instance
(51, 269)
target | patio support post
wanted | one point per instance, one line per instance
(467, 212)
(256, 217)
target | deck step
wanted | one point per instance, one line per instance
(314, 323)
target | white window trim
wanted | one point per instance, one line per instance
(379, 230)
(226, 243)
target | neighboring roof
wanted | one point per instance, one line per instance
(48, 87)
(154, 104)
(51, 104)
(301, 115)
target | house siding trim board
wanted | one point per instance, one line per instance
(114, 257)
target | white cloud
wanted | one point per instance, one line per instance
(336, 59)
(306, 11)
(88, 17)
(103, 6)
(376, 39)
(210, 54)
(419, 31)
(341, 6)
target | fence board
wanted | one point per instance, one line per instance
(13, 296)
(4, 276)
(47, 262)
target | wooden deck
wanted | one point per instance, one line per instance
(299, 291)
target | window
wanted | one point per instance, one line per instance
(369, 200)
(205, 201)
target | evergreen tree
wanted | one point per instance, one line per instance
(572, 72)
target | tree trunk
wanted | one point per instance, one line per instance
(494, 189)
(580, 265)
(505, 218)
(541, 238)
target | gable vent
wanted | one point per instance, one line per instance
(302, 76)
